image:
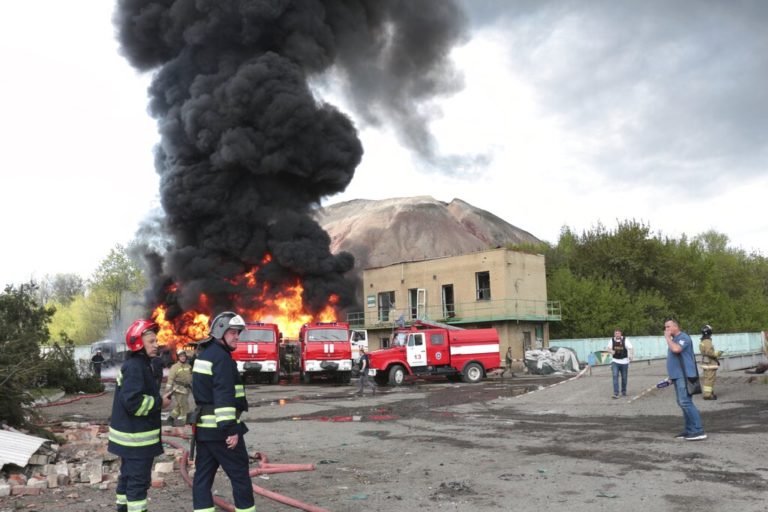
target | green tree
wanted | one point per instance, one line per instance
(635, 278)
(590, 307)
(23, 365)
(83, 321)
(23, 328)
(117, 275)
(66, 287)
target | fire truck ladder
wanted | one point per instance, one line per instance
(432, 323)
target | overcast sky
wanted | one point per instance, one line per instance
(572, 113)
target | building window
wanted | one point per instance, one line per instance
(449, 308)
(483, 285)
(413, 302)
(386, 305)
(384, 342)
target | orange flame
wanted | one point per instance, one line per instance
(286, 309)
(188, 327)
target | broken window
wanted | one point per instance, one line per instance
(449, 308)
(483, 285)
(386, 304)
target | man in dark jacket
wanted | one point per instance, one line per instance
(365, 365)
(220, 399)
(134, 430)
(96, 361)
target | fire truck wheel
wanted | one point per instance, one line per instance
(305, 378)
(473, 373)
(396, 375)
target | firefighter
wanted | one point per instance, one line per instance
(179, 386)
(134, 430)
(508, 363)
(220, 400)
(710, 363)
(97, 361)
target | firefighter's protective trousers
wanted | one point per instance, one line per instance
(211, 455)
(132, 484)
(708, 377)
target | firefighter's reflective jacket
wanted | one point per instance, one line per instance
(710, 356)
(179, 378)
(134, 431)
(219, 393)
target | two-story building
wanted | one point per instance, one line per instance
(499, 288)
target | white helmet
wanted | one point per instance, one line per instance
(225, 321)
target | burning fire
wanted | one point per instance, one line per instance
(286, 309)
(188, 327)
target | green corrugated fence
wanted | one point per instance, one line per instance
(655, 347)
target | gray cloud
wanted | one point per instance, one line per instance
(659, 91)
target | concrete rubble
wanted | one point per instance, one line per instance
(81, 460)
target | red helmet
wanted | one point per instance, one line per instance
(136, 330)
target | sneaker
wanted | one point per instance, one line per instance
(696, 437)
(615, 396)
(681, 435)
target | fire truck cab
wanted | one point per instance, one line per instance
(325, 351)
(437, 349)
(257, 353)
(359, 339)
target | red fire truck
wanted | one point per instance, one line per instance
(437, 349)
(325, 351)
(257, 353)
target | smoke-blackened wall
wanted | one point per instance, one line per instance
(246, 150)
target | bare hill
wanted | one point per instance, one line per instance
(387, 231)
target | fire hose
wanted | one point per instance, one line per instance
(70, 400)
(265, 467)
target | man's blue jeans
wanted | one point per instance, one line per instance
(619, 369)
(690, 412)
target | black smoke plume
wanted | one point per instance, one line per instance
(246, 150)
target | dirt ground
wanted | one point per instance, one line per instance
(519, 444)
